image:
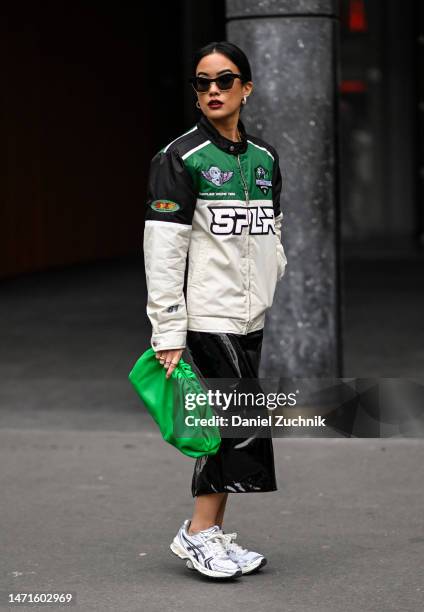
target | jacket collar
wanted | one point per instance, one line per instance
(233, 148)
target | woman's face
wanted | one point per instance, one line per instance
(214, 65)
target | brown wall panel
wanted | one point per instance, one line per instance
(76, 137)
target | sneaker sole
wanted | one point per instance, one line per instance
(178, 550)
(246, 572)
(254, 568)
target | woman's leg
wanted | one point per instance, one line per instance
(206, 511)
(220, 516)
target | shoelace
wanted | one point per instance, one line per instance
(230, 544)
(217, 543)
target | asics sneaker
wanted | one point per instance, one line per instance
(206, 551)
(248, 560)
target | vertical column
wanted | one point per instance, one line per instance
(292, 46)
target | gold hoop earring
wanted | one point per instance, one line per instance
(197, 104)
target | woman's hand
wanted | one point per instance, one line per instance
(169, 359)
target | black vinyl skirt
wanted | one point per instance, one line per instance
(242, 465)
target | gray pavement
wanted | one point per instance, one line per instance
(91, 497)
(93, 512)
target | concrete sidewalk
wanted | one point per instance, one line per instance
(93, 512)
(91, 496)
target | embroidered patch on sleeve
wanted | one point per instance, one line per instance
(164, 206)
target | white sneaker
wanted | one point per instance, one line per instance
(206, 551)
(247, 560)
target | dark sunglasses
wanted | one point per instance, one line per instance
(223, 82)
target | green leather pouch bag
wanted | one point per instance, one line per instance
(167, 401)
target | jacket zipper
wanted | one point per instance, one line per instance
(246, 193)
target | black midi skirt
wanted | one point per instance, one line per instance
(242, 465)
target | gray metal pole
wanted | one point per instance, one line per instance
(292, 46)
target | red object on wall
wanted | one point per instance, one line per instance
(352, 86)
(357, 17)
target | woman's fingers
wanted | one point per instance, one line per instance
(172, 360)
(160, 356)
(170, 366)
(169, 359)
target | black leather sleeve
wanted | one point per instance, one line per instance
(171, 194)
(277, 183)
(170, 207)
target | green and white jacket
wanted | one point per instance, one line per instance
(219, 202)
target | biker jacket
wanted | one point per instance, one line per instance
(218, 202)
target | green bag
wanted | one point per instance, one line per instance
(165, 400)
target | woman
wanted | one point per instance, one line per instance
(214, 194)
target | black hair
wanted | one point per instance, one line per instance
(230, 50)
